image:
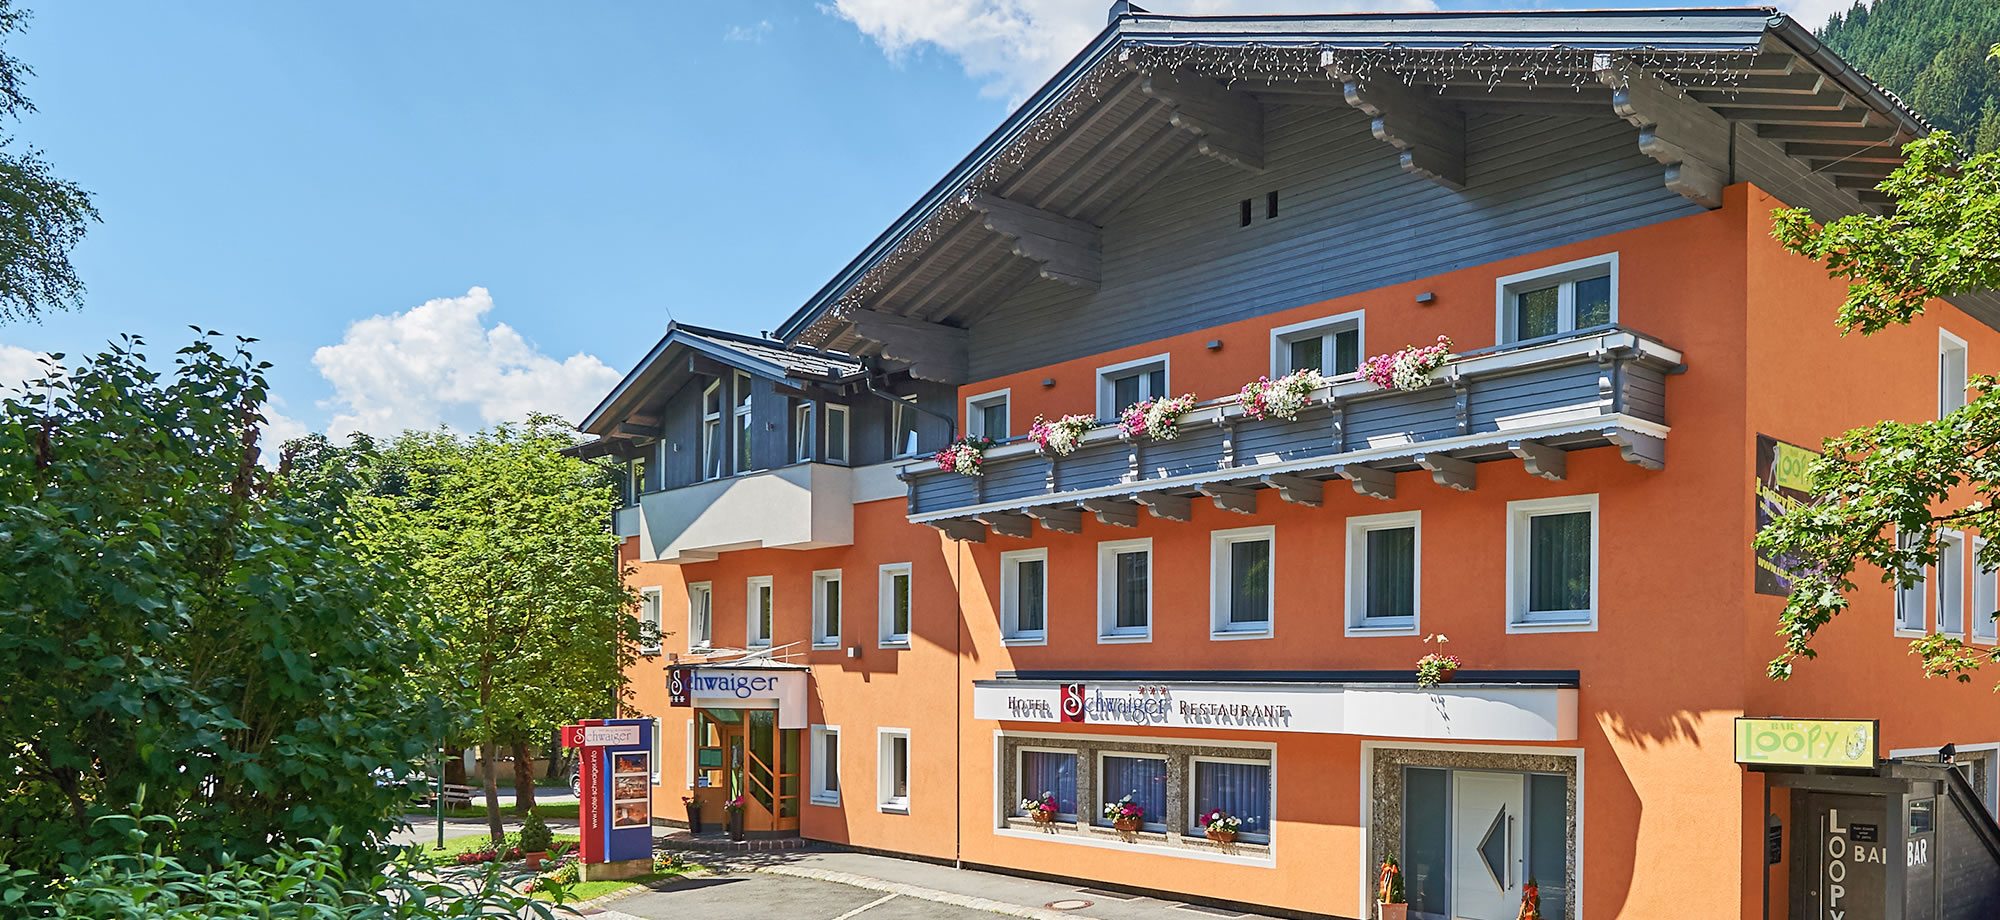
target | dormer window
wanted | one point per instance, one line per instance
(1559, 299)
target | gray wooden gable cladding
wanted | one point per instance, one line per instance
(1350, 220)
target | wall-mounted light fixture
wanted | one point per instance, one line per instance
(1048, 382)
(1426, 298)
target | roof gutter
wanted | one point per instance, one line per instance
(1812, 49)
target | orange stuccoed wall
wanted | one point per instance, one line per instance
(1678, 652)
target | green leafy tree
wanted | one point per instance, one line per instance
(184, 633)
(42, 217)
(1882, 493)
(509, 542)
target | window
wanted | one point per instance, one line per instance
(711, 431)
(1562, 298)
(649, 621)
(701, 620)
(826, 608)
(1141, 778)
(836, 434)
(1052, 773)
(758, 616)
(1912, 617)
(744, 458)
(1241, 581)
(1951, 373)
(892, 770)
(1985, 599)
(1121, 385)
(1024, 596)
(1384, 556)
(825, 787)
(1238, 787)
(1552, 563)
(638, 484)
(1331, 346)
(986, 416)
(1951, 584)
(802, 432)
(894, 595)
(1124, 591)
(903, 427)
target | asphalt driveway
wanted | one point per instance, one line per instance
(756, 896)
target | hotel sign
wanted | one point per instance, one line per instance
(1839, 743)
(1153, 705)
(741, 688)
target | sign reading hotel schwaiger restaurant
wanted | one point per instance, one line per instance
(1841, 743)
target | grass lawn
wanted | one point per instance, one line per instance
(559, 810)
(466, 844)
(583, 891)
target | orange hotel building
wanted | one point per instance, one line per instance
(878, 653)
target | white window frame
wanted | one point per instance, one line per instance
(1103, 796)
(1357, 619)
(846, 435)
(822, 637)
(1194, 808)
(1566, 274)
(899, 405)
(1221, 575)
(1105, 410)
(744, 400)
(1950, 585)
(1010, 597)
(885, 601)
(1949, 346)
(1021, 778)
(975, 425)
(712, 467)
(1918, 593)
(701, 634)
(1519, 514)
(802, 440)
(1985, 598)
(1323, 329)
(659, 749)
(817, 793)
(650, 611)
(1107, 592)
(885, 766)
(751, 613)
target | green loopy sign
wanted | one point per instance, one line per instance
(1845, 743)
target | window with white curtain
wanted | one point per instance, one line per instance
(1239, 787)
(1052, 772)
(1383, 559)
(1552, 563)
(1243, 582)
(1024, 596)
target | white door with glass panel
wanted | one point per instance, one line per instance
(1486, 834)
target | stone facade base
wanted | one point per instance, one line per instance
(613, 871)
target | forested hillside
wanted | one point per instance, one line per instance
(1933, 53)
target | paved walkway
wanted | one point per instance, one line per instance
(831, 885)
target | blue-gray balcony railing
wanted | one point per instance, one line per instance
(1530, 402)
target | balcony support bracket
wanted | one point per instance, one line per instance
(1009, 525)
(1540, 459)
(1297, 489)
(968, 531)
(1643, 449)
(1113, 512)
(1231, 498)
(1060, 520)
(1368, 480)
(1450, 472)
(1165, 506)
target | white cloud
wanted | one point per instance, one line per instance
(439, 363)
(1012, 46)
(753, 34)
(1814, 13)
(18, 366)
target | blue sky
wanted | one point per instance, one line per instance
(453, 212)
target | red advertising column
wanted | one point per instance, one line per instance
(590, 805)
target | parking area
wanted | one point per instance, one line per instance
(756, 896)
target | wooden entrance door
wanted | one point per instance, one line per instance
(755, 760)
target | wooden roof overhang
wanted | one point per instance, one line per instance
(1027, 206)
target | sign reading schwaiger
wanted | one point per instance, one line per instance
(1259, 708)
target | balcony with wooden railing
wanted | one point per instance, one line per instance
(1529, 403)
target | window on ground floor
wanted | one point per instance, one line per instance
(825, 787)
(1138, 779)
(1052, 774)
(1235, 788)
(892, 770)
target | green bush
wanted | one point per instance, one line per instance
(535, 835)
(308, 881)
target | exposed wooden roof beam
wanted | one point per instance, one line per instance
(934, 352)
(1227, 126)
(1829, 134)
(967, 293)
(1688, 138)
(910, 275)
(1110, 180)
(950, 278)
(1112, 141)
(1833, 100)
(1297, 489)
(1877, 153)
(988, 297)
(1106, 104)
(1855, 117)
(1067, 250)
(1429, 134)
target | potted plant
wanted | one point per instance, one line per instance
(1042, 810)
(1220, 826)
(535, 839)
(693, 806)
(1408, 368)
(1531, 901)
(1389, 901)
(1124, 814)
(965, 455)
(1281, 398)
(734, 808)
(1159, 419)
(1436, 667)
(1062, 436)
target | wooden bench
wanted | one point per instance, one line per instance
(456, 796)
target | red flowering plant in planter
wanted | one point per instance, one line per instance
(1042, 810)
(1436, 667)
(965, 456)
(1220, 826)
(1125, 815)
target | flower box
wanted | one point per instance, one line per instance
(1042, 817)
(1221, 836)
(1125, 825)
(1392, 911)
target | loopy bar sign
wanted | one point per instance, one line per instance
(1806, 743)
